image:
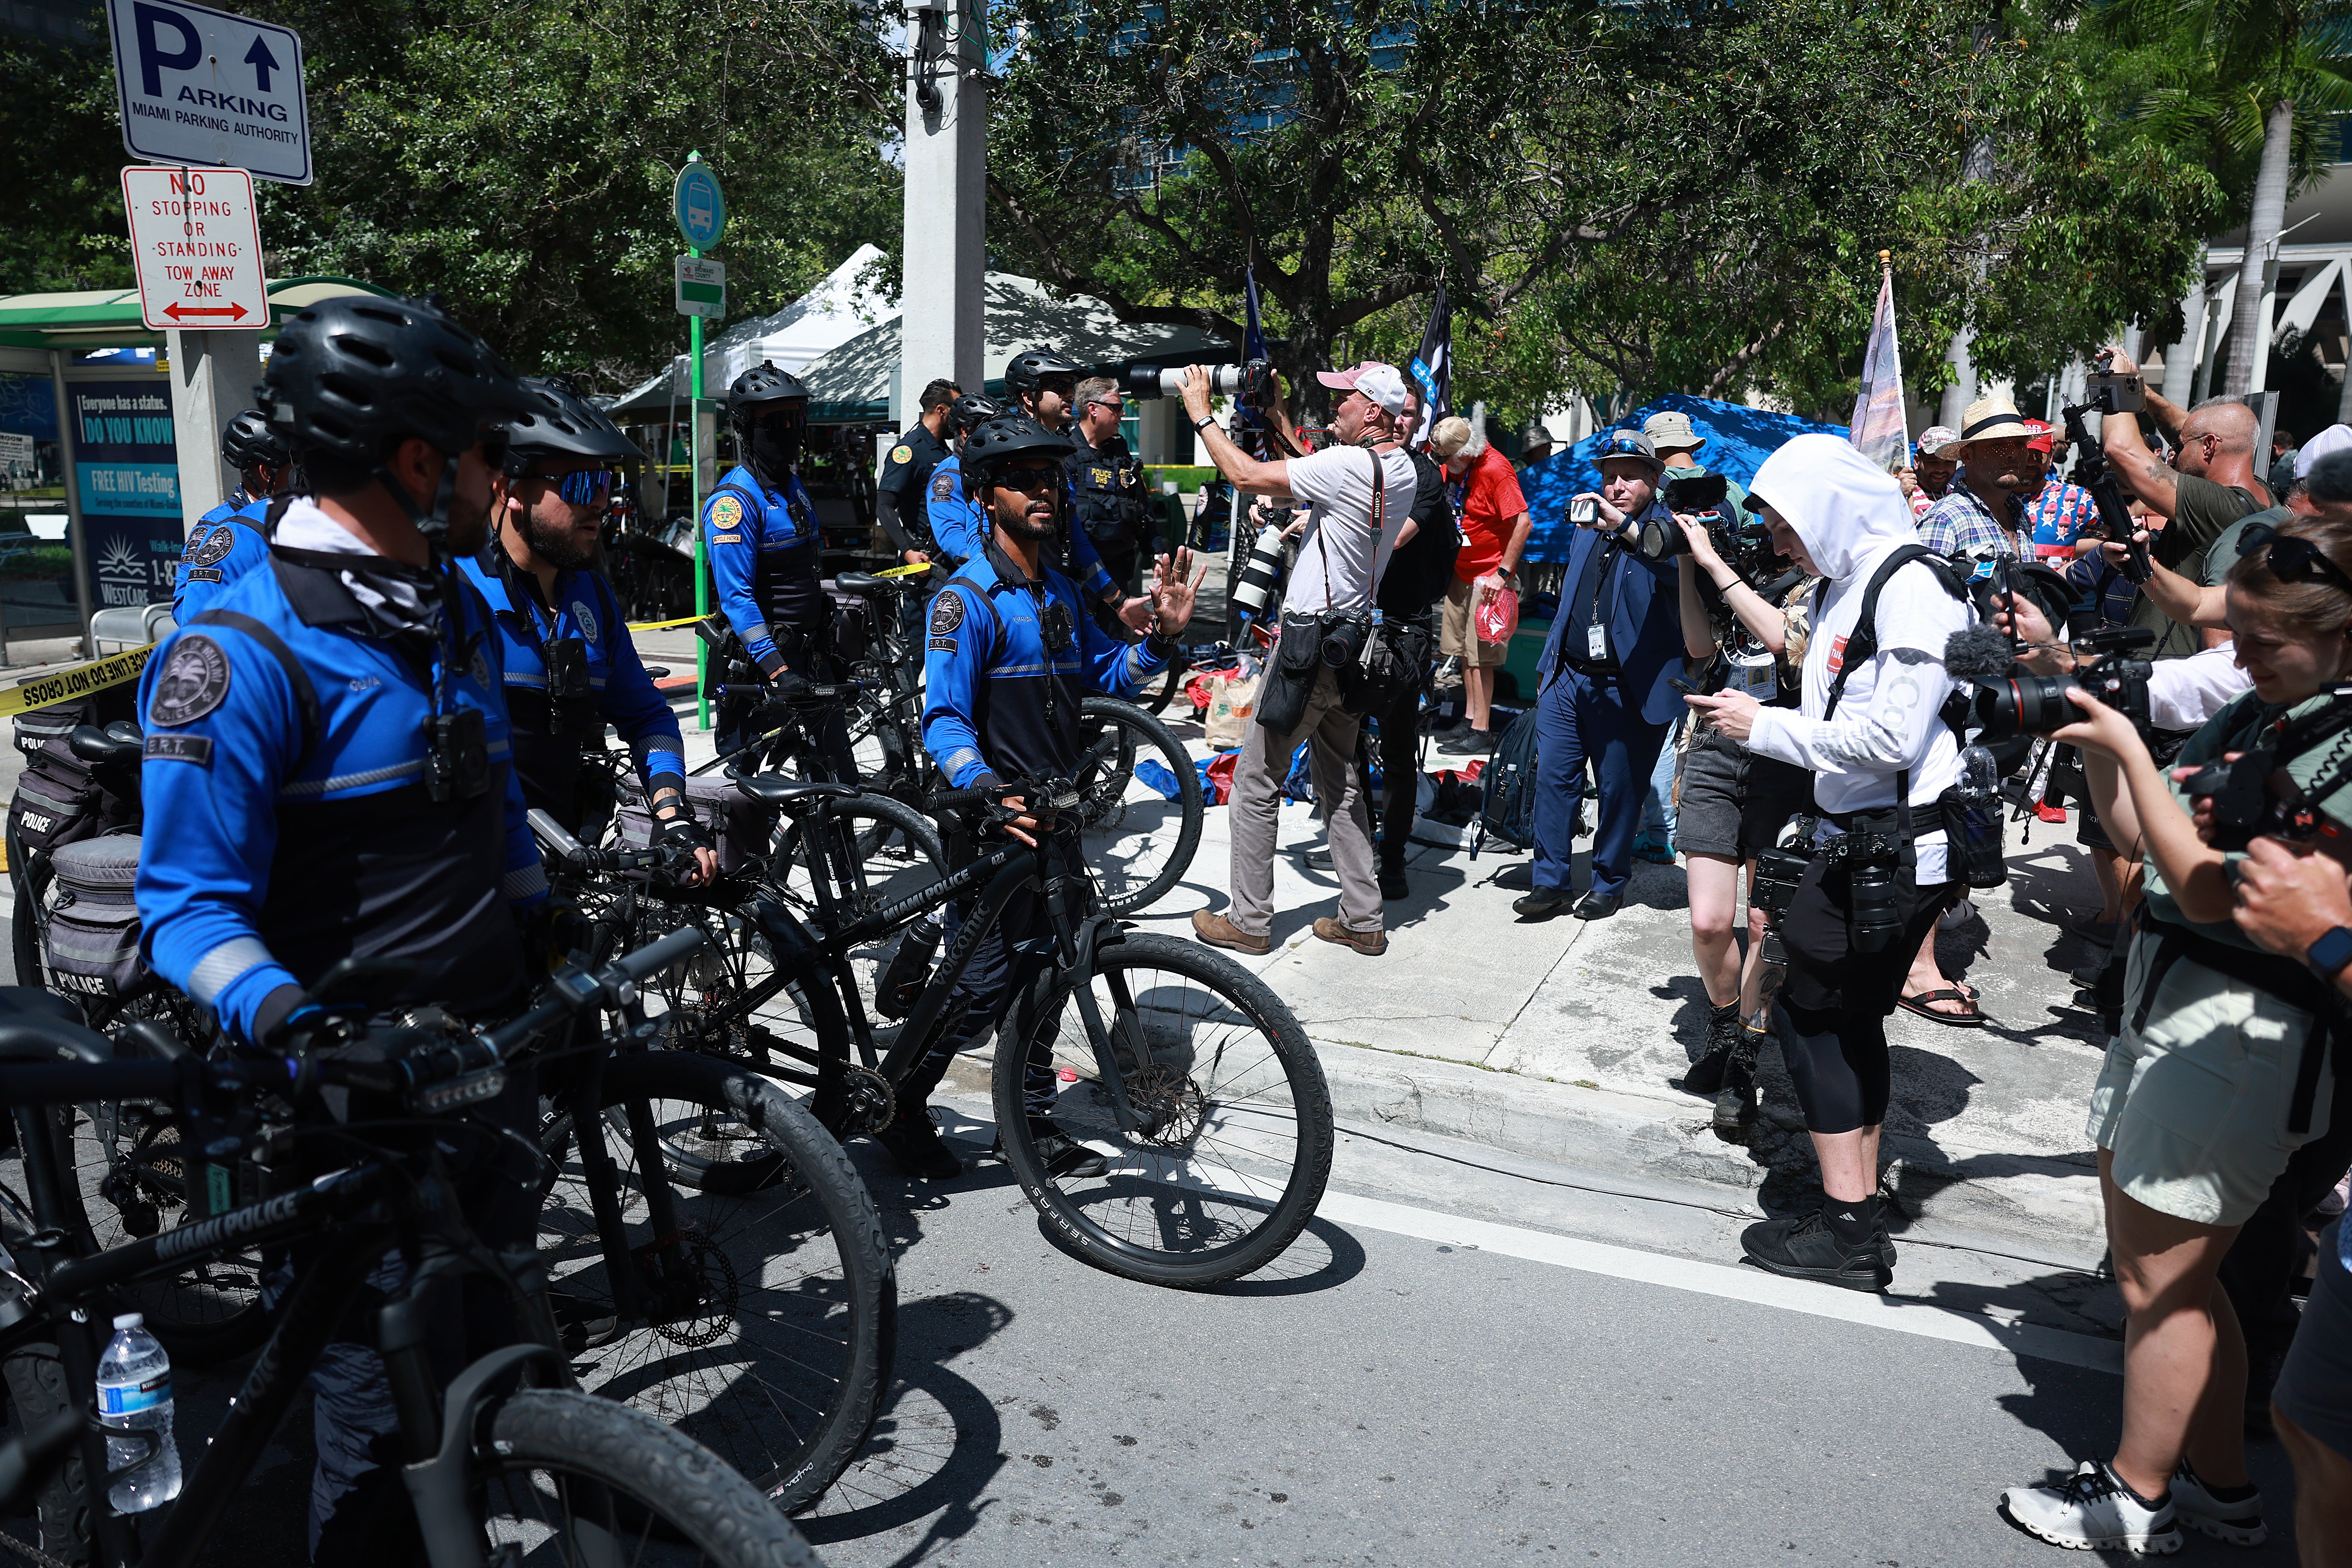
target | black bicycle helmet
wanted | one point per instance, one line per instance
(249, 443)
(758, 387)
(971, 411)
(1027, 371)
(352, 375)
(1003, 438)
(560, 423)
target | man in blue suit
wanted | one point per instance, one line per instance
(1615, 644)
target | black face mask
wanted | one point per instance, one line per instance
(775, 447)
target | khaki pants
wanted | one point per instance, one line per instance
(1329, 731)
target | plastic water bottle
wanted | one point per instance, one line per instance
(134, 1395)
(1980, 774)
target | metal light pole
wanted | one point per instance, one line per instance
(941, 256)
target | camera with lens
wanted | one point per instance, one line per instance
(1262, 572)
(1777, 874)
(2254, 795)
(1873, 861)
(1249, 381)
(2020, 702)
(1745, 547)
(1344, 637)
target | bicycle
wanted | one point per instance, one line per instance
(1188, 1069)
(543, 1471)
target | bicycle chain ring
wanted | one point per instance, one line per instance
(1168, 1106)
(871, 1099)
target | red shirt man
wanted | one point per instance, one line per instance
(1495, 529)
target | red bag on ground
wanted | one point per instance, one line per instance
(1221, 774)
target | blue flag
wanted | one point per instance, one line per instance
(1432, 367)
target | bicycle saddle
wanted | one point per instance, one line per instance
(775, 789)
(40, 1025)
(857, 582)
(102, 749)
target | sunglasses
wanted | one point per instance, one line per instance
(2293, 560)
(584, 487)
(1622, 443)
(1105, 403)
(1029, 481)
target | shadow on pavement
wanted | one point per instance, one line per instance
(1323, 1258)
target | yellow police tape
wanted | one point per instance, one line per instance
(74, 680)
(663, 626)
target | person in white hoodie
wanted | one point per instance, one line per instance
(1877, 737)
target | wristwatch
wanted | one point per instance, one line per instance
(2331, 953)
(1204, 421)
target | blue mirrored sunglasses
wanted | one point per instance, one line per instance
(1623, 444)
(586, 487)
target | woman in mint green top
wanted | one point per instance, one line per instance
(2195, 1102)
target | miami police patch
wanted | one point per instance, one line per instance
(942, 486)
(193, 682)
(210, 549)
(947, 615)
(726, 513)
(586, 618)
(902, 453)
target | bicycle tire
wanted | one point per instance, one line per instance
(905, 855)
(36, 1377)
(809, 1356)
(672, 1500)
(1087, 1220)
(1124, 816)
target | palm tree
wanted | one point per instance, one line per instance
(2241, 78)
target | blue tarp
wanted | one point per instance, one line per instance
(1739, 439)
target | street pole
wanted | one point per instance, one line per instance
(942, 256)
(694, 482)
(213, 375)
(75, 533)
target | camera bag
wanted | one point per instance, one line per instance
(91, 939)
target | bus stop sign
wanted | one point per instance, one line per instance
(701, 210)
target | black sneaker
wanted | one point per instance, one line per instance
(1063, 1156)
(914, 1142)
(1804, 1249)
(1704, 1076)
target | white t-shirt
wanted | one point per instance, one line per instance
(1889, 716)
(2182, 693)
(1340, 559)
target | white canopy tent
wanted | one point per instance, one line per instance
(820, 321)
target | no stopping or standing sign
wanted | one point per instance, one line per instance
(198, 248)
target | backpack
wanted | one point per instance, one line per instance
(1508, 809)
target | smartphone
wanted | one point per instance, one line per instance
(1584, 511)
(1679, 684)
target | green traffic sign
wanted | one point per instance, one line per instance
(700, 209)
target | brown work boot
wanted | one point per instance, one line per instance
(1371, 943)
(1219, 931)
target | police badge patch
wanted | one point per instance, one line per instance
(195, 682)
(947, 615)
(902, 453)
(209, 549)
(586, 618)
(726, 513)
(943, 487)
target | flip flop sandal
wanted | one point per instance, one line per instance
(1917, 1006)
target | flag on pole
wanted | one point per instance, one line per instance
(1432, 367)
(1881, 430)
(1247, 425)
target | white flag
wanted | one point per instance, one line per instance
(1882, 431)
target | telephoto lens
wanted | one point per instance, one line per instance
(1778, 872)
(1873, 921)
(1261, 574)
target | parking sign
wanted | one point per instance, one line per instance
(201, 87)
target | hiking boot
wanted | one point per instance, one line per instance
(1806, 1249)
(1061, 1154)
(2237, 1519)
(1704, 1077)
(1219, 931)
(2091, 1511)
(1371, 943)
(914, 1142)
(1737, 1099)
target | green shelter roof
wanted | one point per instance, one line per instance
(109, 318)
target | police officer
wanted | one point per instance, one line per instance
(1012, 656)
(760, 531)
(1107, 489)
(907, 473)
(568, 666)
(328, 775)
(957, 523)
(230, 539)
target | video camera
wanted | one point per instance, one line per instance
(2012, 701)
(2109, 393)
(1250, 381)
(2254, 795)
(1745, 546)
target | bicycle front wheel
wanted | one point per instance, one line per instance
(566, 1478)
(1232, 1145)
(768, 1317)
(1140, 807)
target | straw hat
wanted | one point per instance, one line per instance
(1991, 419)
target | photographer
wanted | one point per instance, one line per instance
(1420, 573)
(1361, 493)
(2220, 1071)
(1742, 627)
(1870, 730)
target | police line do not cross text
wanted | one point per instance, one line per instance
(201, 87)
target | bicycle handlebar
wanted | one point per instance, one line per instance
(556, 839)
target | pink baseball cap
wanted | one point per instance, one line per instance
(1383, 383)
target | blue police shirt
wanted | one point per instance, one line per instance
(288, 824)
(961, 528)
(998, 702)
(227, 542)
(547, 748)
(765, 558)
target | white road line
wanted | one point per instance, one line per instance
(1738, 1284)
